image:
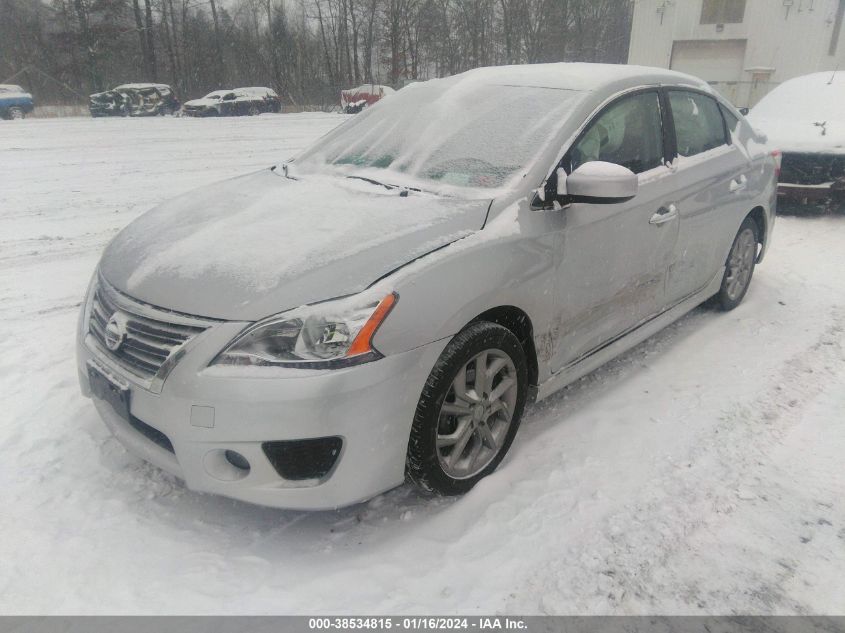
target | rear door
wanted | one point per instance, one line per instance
(614, 257)
(711, 177)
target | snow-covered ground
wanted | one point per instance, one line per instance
(703, 472)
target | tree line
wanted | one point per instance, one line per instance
(307, 50)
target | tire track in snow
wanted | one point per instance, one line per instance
(637, 547)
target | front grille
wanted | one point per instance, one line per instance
(298, 460)
(811, 169)
(153, 336)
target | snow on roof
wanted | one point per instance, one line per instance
(10, 91)
(142, 86)
(257, 90)
(804, 114)
(573, 76)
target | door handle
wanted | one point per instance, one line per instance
(664, 214)
(738, 184)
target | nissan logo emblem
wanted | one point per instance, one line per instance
(115, 331)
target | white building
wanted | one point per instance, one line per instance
(744, 48)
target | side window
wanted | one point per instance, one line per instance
(698, 122)
(628, 133)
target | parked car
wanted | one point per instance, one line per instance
(15, 102)
(385, 305)
(134, 100)
(271, 100)
(236, 102)
(356, 99)
(803, 118)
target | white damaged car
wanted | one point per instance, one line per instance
(382, 308)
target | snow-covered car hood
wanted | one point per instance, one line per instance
(202, 103)
(792, 114)
(802, 136)
(256, 245)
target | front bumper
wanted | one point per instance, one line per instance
(204, 412)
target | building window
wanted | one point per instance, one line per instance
(722, 11)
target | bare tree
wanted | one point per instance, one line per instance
(306, 49)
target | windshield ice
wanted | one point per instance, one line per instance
(445, 131)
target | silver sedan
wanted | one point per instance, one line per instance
(383, 307)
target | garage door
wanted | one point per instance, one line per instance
(715, 61)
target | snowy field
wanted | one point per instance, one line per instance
(701, 473)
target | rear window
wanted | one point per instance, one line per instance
(698, 122)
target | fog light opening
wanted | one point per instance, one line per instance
(226, 465)
(237, 460)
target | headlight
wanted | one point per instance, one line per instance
(327, 335)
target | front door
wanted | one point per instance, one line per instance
(613, 258)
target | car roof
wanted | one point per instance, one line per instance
(578, 76)
(141, 86)
(256, 89)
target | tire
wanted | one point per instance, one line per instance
(253, 110)
(739, 266)
(478, 427)
(16, 113)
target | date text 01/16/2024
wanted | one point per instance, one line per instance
(417, 623)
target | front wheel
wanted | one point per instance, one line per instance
(16, 113)
(739, 266)
(469, 410)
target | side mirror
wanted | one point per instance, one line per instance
(599, 182)
(743, 111)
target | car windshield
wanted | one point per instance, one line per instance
(467, 136)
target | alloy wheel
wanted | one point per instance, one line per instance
(741, 263)
(476, 414)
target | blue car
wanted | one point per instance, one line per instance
(15, 102)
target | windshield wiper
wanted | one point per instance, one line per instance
(404, 190)
(372, 182)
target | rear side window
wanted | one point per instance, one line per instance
(698, 122)
(628, 133)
